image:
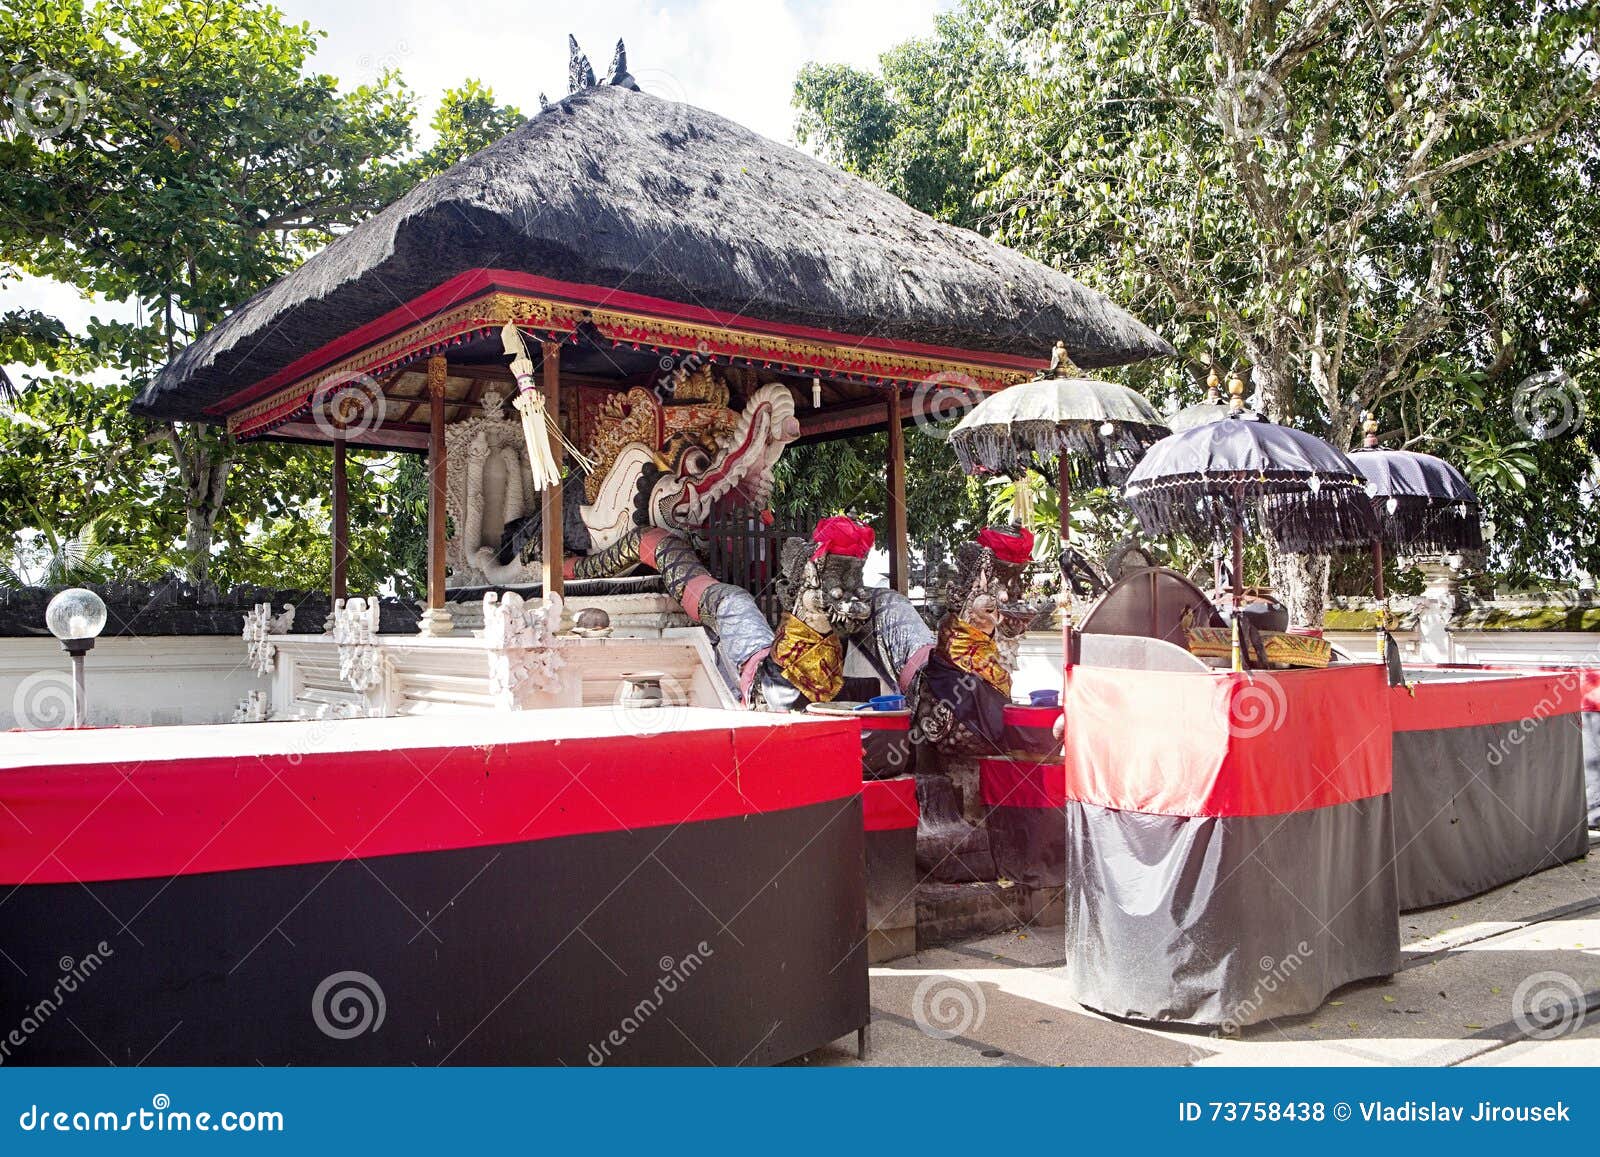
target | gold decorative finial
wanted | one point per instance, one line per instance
(1369, 429)
(1061, 366)
(1213, 387)
(1235, 392)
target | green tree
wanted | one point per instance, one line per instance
(1295, 185)
(178, 156)
(1388, 207)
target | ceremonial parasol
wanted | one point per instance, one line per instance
(1224, 477)
(1094, 430)
(1420, 502)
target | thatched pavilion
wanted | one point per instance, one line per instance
(618, 231)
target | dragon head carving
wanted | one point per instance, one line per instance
(738, 465)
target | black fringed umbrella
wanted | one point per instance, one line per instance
(1092, 431)
(1421, 502)
(1224, 478)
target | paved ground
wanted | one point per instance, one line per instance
(1464, 967)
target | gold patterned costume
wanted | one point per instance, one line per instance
(810, 660)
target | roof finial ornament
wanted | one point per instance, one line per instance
(1235, 393)
(580, 73)
(1061, 365)
(1213, 387)
(1369, 430)
(620, 76)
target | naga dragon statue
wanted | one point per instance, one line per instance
(665, 465)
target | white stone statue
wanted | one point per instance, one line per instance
(524, 656)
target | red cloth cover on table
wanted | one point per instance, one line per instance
(1229, 841)
(1024, 804)
(1489, 774)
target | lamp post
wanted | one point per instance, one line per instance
(76, 617)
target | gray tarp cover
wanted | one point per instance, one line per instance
(1477, 807)
(1227, 920)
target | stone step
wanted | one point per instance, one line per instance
(950, 912)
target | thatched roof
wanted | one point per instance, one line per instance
(620, 189)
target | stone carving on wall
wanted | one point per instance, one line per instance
(524, 657)
(259, 625)
(362, 662)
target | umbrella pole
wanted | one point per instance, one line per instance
(1383, 600)
(1066, 500)
(1070, 635)
(1238, 594)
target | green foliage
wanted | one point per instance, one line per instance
(188, 160)
(1385, 207)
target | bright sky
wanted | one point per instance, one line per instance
(735, 57)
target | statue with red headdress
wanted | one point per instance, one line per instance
(833, 617)
(967, 682)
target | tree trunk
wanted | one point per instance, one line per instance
(203, 468)
(1301, 581)
(199, 529)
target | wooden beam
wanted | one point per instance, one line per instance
(436, 620)
(824, 424)
(899, 554)
(341, 520)
(553, 553)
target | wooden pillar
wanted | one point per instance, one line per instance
(436, 619)
(899, 554)
(341, 521)
(553, 548)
